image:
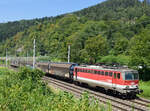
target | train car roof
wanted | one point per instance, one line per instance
(121, 69)
(57, 64)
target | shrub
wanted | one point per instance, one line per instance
(24, 90)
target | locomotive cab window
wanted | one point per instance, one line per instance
(131, 75)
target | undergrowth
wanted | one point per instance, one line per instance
(24, 90)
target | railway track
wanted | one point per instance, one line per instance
(138, 104)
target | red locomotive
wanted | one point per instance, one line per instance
(123, 82)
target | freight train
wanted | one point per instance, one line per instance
(115, 80)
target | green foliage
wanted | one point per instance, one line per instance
(140, 48)
(24, 90)
(146, 89)
(26, 73)
(96, 47)
(121, 59)
(144, 73)
(120, 44)
(112, 28)
(43, 59)
(118, 9)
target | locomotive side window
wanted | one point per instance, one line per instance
(91, 71)
(115, 75)
(110, 74)
(86, 71)
(118, 75)
(106, 73)
(95, 72)
(102, 72)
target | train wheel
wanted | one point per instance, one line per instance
(132, 96)
(76, 83)
(124, 96)
(101, 89)
(109, 92)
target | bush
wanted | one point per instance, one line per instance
(24, 90)
(26, 73)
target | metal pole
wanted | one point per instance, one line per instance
(6, 57)
(34, 55)
(68, 53)
(27, 58)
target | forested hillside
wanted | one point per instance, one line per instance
(113, 31)
(124, 10)
(11, 28)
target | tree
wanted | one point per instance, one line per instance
(120, 45)
(140, 49)
(96, 47)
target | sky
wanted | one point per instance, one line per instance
(12, 10)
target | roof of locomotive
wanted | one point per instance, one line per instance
(108, 68)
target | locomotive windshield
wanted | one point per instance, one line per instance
(131, 76)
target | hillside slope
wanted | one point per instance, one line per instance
(115, 10)
(109, 28)
(9, 29)
(124, 10)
